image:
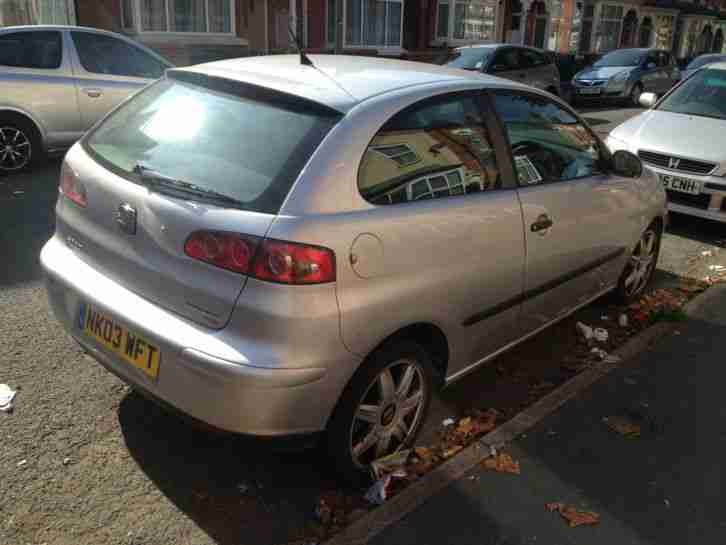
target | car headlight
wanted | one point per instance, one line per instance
(620, 76)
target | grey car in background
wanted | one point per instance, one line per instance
(701, 61)
(57, 81)
(681, 138)
(281, 249)
(624, 74)
(521, 64)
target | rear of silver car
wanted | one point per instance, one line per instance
(160, 266)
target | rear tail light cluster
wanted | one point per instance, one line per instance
(72, 187)
(265, 259)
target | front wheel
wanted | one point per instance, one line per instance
(641, 265)
(19, 146)
(381, 410)
(635, 93)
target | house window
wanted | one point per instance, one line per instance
(199, 16)
(473, 20)
(373, 22)
(33, 12)
(402, 154)
(611, 21)
(332, 21)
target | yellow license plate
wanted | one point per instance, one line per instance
(131, 347)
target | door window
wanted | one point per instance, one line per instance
(664, 59)
(101, 54)
(548, 143)
(36, 49)
(506, 59)
(532, 59)
(437, 148)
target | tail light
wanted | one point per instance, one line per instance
(271, 260)
(72, 187)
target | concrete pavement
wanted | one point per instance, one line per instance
(661, 488)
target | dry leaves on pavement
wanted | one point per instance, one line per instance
(502, 462)
(623, 425)
(573, 516)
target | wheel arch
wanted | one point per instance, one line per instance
(430, 337)
(9, 113)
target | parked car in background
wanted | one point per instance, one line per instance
(522, 64)
(57, 81)
(701, 61)
(682, 139)
(277, 249)
(624, 74)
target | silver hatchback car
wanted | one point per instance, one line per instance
(57, 81)
(280, 249)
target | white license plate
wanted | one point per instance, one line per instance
(684, 185)
(589, 91)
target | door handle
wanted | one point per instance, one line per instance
(543, 223)
(93, 92)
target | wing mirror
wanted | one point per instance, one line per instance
(648, 100)
(626, 164)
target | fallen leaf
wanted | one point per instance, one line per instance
(424, 453)
(623, 425)
(466, 425)
(573, 516)
(449, 452)
(503, 463)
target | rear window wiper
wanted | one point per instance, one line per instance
(155, 180)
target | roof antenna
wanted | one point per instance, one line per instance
(304, 60)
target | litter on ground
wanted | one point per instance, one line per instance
(7, 395)
(584, 330)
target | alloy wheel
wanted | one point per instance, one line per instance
(15, 149)
(389, 413)
(641, 264)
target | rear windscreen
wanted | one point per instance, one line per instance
(247, 143)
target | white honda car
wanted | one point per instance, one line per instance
(681, 138)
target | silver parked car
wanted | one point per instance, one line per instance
(57, 81)
(277, 249)
(522, 64)
(681, 139)
(701, 61)
(624, 74)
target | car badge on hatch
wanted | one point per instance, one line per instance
(126, 218)
(673, 162)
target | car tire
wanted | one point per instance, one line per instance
(635, 92)
(20, 145)
(642, 261)
(377, 413)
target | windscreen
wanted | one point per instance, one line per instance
(247, 143)
(473, 58)
(703, 94)
(622, 57)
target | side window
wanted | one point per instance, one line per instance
(436, 148)
(664, 59)
(548, 143)
(35, 49)
(531, 59)
(101, 54)
(506, 59)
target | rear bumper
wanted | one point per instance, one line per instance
(246, 398)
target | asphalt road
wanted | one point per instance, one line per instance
(105, 466)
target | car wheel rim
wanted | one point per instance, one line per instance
(15, 148)
(641, 264)
(389, 412)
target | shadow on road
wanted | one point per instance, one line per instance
(697, 229)
(27, 221)
(238, 490)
